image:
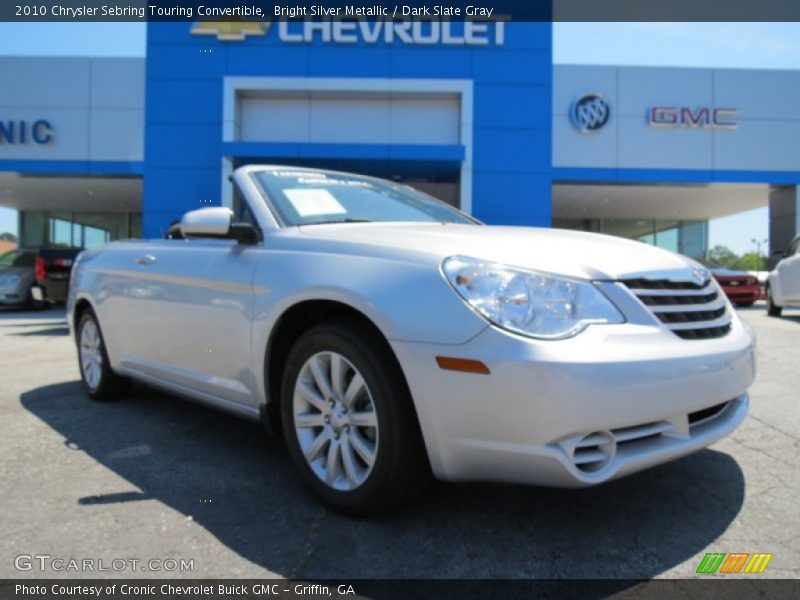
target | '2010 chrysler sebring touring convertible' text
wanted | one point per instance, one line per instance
(388, 337)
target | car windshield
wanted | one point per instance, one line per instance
(316, 197)
(17, 258)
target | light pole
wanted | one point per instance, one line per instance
(758, 244)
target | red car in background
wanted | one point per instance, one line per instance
(742, 288)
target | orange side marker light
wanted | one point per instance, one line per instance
(464, 365)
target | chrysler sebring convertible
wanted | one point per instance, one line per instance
(389, 337)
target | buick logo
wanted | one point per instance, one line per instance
(590, 113)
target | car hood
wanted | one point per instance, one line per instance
(571, 253)
(729, 273)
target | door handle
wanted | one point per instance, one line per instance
(144, 260)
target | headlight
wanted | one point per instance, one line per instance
(537, 305)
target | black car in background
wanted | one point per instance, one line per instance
(53, 267)
(31, 278)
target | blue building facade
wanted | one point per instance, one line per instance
(496, 155)
(474, 113)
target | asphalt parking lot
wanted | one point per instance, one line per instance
(155, 477)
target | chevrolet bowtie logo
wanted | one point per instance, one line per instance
(228, 31)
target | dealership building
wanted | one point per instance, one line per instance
(476, 114)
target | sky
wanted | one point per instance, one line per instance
(67, 39)
(740, 45)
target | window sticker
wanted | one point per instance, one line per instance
(297, 174)
(314, 202)
(331, 182)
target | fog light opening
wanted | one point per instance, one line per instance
(594, 452)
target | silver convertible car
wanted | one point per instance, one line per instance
(389, 337)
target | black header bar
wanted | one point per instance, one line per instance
(455, 10)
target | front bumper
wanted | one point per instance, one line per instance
(12, 295)
(751, 293)
(17, 295)
(611, 401)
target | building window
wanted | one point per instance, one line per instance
(60, 232)
(78, 230)
(685, 237)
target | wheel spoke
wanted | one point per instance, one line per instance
(309, 420)
(354, 389)
(317, 446)
(349, 461)
(338, 369)
(362, 447)
(90, 334)
(364, 419)
(310, 395)
(321, 377)
(332, 465)
(94, 371)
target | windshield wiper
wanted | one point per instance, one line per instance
(337, 221)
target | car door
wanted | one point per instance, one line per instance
(197, 312)
(789, 273)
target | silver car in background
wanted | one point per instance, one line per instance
(388, 337)
(18, 285)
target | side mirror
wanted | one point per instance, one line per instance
(217, 222)
(207, 222)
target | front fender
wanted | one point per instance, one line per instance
(405, 301)
(774, 283)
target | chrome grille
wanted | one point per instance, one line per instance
(740, 281)
(692, 311)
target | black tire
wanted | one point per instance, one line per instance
(32, 303)
(109, 386)
(400, 470)
(773, 310)
(744, 304)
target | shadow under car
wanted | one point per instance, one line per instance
(241, 486)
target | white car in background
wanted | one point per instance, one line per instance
(782, 289)
(388, 336)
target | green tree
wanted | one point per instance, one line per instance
(7, 236)
(722, 256)
(751, 261)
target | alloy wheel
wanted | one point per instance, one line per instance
(335, 421)
(91, 350)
